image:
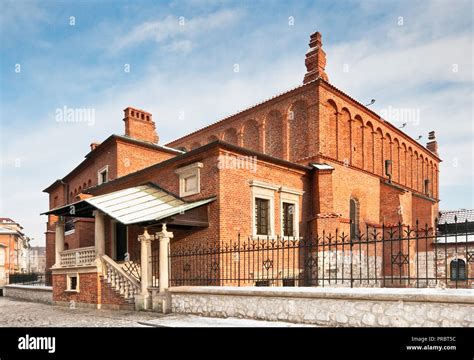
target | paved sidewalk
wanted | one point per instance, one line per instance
(180, 320)
(18, 313)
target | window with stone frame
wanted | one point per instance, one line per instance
(73, 282)
(288, 219)
(103, 175)
(262, 216)
(189, 179)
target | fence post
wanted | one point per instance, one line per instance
(238, 265)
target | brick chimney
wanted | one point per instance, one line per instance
(139, 125)
(315, 59)
(432, 145)
(94, 145)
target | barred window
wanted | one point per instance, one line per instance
(288, 219)
(262, 215)
(458, 270)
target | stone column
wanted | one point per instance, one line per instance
(162, 300)
(164, 236)
(99, 233)
(142, 301)
(59, 241)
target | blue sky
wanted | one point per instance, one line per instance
(402, 53)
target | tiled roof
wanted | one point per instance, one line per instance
(447, 217)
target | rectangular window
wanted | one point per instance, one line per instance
(69, 225)
(103, 175)
(288, 217)
(73, 282)
(190, 184)
(262, 215)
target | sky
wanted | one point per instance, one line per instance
(193, 62)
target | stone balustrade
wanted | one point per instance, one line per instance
(78, 257)
(118, 279)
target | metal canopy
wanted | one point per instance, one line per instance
(139, 204)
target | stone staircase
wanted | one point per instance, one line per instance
(125, 285)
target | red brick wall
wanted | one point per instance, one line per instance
(83, 234)
(279, 127)
(353, 134)
(235, 198)
(424, 210)
(88, 290)
(109, 296)
(351, 183)
(131, 157)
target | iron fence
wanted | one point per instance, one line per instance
(32, 279)
(388, 256)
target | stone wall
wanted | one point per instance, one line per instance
(43, 294)
(331, 307)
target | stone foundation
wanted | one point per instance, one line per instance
(42, 294)
(331, 307)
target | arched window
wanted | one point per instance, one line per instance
(354, 218)
(458, 269)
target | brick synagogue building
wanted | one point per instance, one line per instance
(307, 161)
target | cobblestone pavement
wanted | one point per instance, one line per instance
(17, 313)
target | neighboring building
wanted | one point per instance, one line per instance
(309, 160)
(13, 246)
(37, 259)
(455, 243)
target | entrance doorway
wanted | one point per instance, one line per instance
(120, 241)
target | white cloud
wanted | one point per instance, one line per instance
(176, 27)
(183, 46)
(24, 15)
